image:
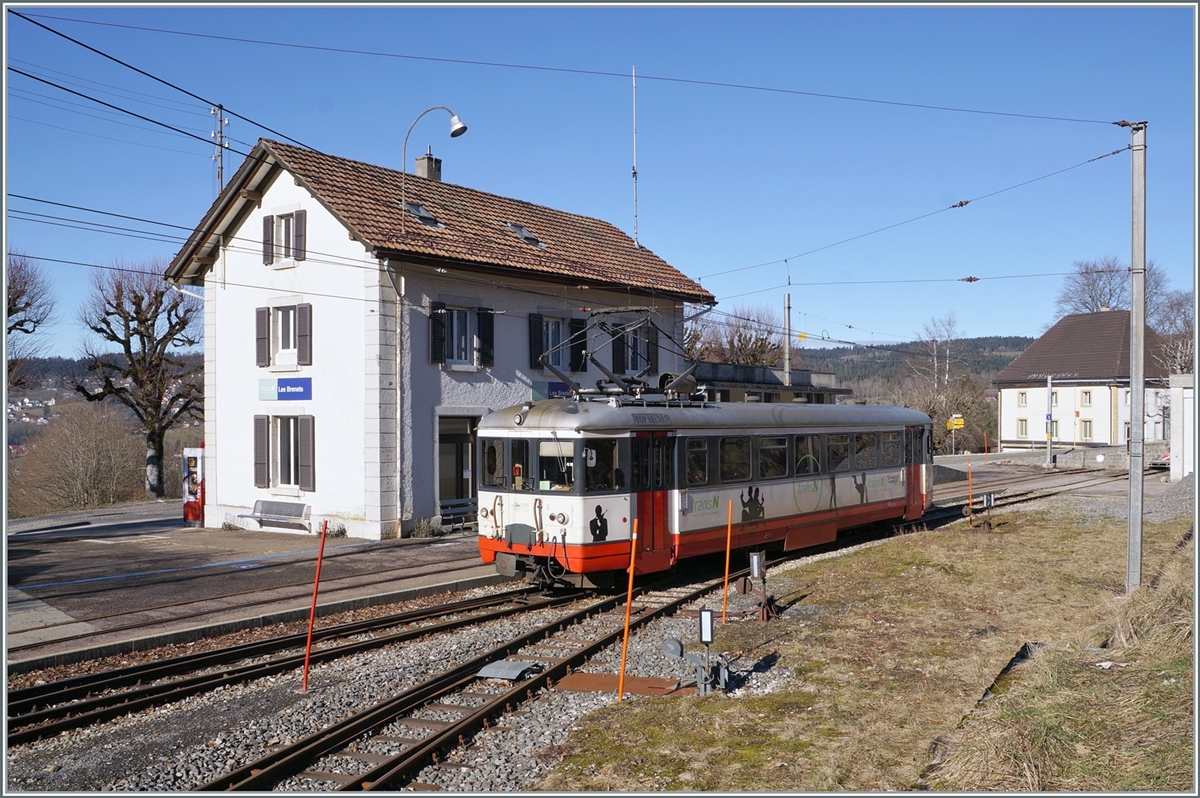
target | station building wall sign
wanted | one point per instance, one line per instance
(284, 389)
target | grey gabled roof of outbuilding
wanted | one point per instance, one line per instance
(475, 230)
(1083, 347)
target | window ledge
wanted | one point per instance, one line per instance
(462, 367)
(287, 263)
(286, 490)
(284, 367)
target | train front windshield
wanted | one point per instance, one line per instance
(551, 465)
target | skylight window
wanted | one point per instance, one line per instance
(423, 216)
(525, 235)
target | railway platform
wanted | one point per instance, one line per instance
(133, 577)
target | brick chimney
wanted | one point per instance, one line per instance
(429, 167)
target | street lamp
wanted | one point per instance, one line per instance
(457, 128)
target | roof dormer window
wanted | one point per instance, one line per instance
(423, 216)
(525, 235)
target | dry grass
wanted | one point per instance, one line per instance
(889, 648)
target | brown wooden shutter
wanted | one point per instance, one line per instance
(299, 219)
(262, 451)
(652, 349)
(304, 335)
(268, 240)
(437, 332)
(537, 340)
(306, 449)
(487, 337)
(578, 344)
(262, 336)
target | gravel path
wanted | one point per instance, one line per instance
(1177, 501)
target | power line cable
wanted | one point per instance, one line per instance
(566, 70)
(160, 80)
(124, 94)
(20, 94)
(109, 138)
(959, 204)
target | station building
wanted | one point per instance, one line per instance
(352, 343)
(1084, 359)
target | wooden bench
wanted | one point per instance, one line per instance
(288, 514)
(458, 514)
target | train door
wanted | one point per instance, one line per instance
(914, 456)
(652, 476)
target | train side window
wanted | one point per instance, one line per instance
(664, 458)
(494, 473)
(837, 449)
(600, 465)
(522, 477)
(556, 465)
(890, 449)
(864, 450)
(808, 455)
(772, 457)
(642, 476)
(697, 461)
(735, 459)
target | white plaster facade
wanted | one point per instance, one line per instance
(1183, 426)
(375, 399)
(1081, 415)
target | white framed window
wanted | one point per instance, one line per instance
(283, 335)
(284, 238)
(1054, 429)
(1085, 398)
(1127, 394)
(1022, 399)
(285, 458)
(552, 338)
(459, 337)
(1085, 429)
(1054, 398)
(1022, 428)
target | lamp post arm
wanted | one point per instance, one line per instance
(404, 160)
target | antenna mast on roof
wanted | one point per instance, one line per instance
(635, 229)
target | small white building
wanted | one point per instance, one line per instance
(351, 347)
(1073, 384)
(1183, 426)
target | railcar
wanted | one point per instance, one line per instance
(561, 481)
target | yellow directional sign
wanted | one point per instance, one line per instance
(803, 336)
(955, 423)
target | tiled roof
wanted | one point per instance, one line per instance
(1083, 347)
(589, 251)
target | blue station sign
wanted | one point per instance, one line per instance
(285, 389)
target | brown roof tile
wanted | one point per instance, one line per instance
(1082, 347)
(590, 251)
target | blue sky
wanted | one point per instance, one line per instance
(728, 177)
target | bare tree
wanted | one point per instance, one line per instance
(1104, 283)
(135, 309)
(30, 308)
(1177, 333)
(88, 456)
(936, 352)
(747, 336)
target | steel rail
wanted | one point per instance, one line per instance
(22, 729)
(294, 758)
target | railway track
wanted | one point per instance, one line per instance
(386, 745)
(44, 710)
(302, 591)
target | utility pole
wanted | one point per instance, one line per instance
(1137, 351)
(787, 339)
(219, 135)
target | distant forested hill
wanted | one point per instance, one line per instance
(869, 370)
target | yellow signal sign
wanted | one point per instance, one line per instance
(955, 423)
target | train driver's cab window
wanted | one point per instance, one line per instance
(522, 477)
(601, 467)
(735, 459)
(890, 449)
(556, 465)
(772, 457)
(837, 448)
(808, 455)
(697, 461)
(864, 450)
(494, 473)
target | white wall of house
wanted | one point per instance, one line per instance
(376, 399)
(1183, 426)
(1084, 414)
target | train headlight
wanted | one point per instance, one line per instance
(560, 518)
(483, 512)
(518, 419)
